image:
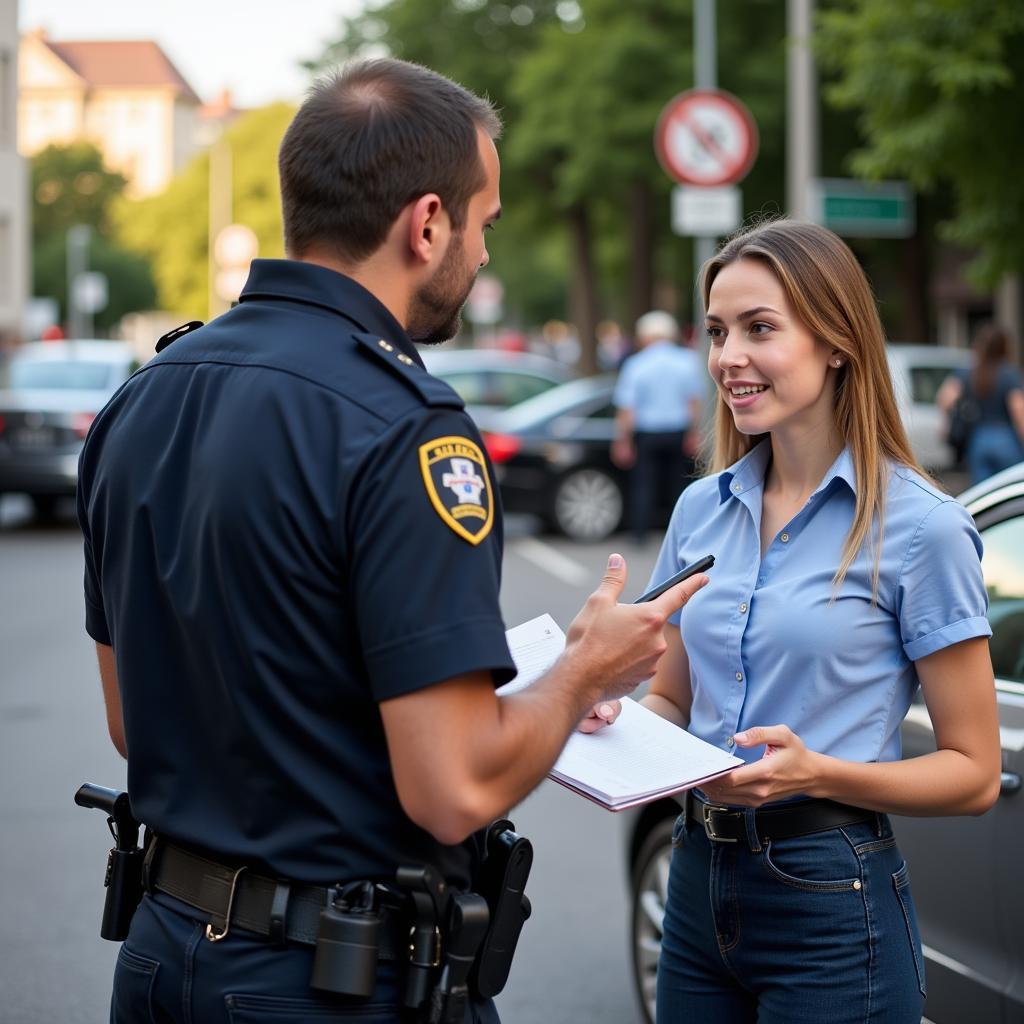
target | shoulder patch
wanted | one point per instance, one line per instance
(457, 483)
(428, 387)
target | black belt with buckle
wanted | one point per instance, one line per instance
(235, 897)
(727, 824)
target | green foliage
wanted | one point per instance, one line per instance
(129, 281)
(172, 229)
(70, 186)
(940, 89)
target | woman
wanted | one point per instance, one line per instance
(844, 580)
(994, 390)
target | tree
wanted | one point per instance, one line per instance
(939, 91)
(71, 185)
(172, 229)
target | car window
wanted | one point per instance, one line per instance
(606, 412)
(925, 382)
(473, 387)
(512, 388)
(1003, 565)
(78, 375)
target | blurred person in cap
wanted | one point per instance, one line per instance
(658, 409)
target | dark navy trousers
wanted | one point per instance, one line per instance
(818, 929)
(168, 972)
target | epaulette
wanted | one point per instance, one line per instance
(432, 390)
(178, 332)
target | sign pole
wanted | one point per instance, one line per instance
(705, 66)
(801, 110)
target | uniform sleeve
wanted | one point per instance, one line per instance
(624, 396)
(95, 617)
(425, 538)
(940, 593)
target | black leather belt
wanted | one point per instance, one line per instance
(233, 897)
(727, 824)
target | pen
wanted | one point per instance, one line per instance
(701, 565)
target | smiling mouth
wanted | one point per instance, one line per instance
(741, 392)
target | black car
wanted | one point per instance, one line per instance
(50, 393)
(966, 871)
(552, 457)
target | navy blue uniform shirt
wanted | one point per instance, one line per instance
(288, 520)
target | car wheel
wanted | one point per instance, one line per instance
(650, 891)
(587, 505)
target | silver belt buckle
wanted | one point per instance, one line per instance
(706, 810)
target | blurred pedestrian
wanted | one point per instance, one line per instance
(844, 581)
(984, 406)
(657, 419)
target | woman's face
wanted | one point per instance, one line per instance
(771, 372)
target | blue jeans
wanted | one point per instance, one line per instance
(990, 448)
(169, 973)
(819, 929)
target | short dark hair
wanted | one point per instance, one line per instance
(371, 138)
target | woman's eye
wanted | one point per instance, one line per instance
(715, 333)
(760, 328)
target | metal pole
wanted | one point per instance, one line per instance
(77, 263)
(802, 142)
(705, 71)
(220, 215)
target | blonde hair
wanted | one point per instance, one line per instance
(829, 294)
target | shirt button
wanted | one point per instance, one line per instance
(739, 677)
(785, 538)
(730, 743)
(737, 487)
(743, 608)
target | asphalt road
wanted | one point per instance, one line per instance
(573, 959)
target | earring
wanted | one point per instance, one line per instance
(837, 363)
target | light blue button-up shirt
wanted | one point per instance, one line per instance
(657, 384)
(766, 643)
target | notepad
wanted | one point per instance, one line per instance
(640, 758)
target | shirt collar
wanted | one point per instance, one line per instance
(747, 473)
(298, 281)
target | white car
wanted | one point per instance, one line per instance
(917, 374)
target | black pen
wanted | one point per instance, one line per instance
(701, 565)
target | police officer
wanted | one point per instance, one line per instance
(293, 550)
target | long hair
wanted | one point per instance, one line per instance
(991, 350)
(829, 294)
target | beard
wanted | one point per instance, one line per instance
(435, 313)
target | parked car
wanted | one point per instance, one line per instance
(917, 373)
(50, 393)
(489, 380)
(552, 458)
(966, 872)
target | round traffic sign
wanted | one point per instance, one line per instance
(706, 137)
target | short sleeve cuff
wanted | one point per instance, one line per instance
(954, 633)
(96, 623)
(428, 658)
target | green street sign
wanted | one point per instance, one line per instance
(861, 209)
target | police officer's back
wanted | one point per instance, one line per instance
(292, 566)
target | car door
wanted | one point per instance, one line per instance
(966, 870)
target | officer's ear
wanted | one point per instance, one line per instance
(429, 228)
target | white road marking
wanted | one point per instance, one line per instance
(552, 561)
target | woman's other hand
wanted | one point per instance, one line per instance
(601, 715)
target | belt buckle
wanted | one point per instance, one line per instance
(706, 810)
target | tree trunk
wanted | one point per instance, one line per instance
(584, 288)
(914, 276)
(641, 255)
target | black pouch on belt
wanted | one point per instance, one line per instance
(503, 875)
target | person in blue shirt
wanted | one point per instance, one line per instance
(845, 579)
(292, 565)
(995, 395)
(657, 420)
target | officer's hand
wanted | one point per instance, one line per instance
(600, 715)
(615, 647)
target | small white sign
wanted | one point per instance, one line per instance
(706, 211)
(90, 291)
(484, 305)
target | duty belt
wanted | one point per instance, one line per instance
(280, 910)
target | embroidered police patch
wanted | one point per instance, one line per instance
(455, 476)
